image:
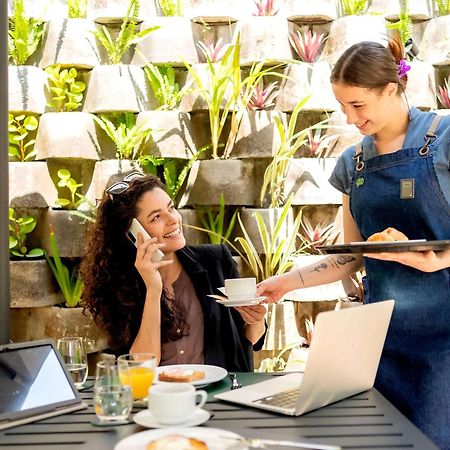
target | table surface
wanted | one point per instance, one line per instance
(364, 421)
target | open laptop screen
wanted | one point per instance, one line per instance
(33, 381)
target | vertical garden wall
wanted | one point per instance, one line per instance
(228, 101)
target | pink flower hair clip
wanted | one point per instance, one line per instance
(402, 68)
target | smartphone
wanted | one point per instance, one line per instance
(132, 234)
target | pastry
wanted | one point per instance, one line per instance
(176, 442)
(388, 235)
(181, 375)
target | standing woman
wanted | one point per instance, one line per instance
(162, 307)
(398, 176)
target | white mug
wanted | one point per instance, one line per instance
(173, 403)
(240, 287)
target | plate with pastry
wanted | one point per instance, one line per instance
(196, 374)
(181, 438)
(388, 240)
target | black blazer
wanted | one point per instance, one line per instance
(225, 344)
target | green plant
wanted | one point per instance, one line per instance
(19, 228)
(75, 199)
(216, 223)
(126, 135)
(404, 24)
(24, 34)
(164, 86)
(275, 175)
(67, 91)
(353, 7)
(306, 44)
(127, 36)
(442, 7)
(174, 171)
(21, 134)
(170, 7)
(77, 9)
(71, 284)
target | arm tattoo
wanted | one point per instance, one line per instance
(341, 260)
(319, 267)
(300, 275)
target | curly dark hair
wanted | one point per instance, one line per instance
(114, 291)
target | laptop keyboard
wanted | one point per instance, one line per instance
(285, 399)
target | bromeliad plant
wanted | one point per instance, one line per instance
(319, 145)
(321, 234)
(444, 94)
(24, 34)
(263, 97)
(213, 52)
(69, 281)
(126, 135)
(170, 7)
(353, 7)
(21, 134)
(127, 36)
(19, 229)
(215, 223)
(265, 8)
(164, 86)
(67, 92)
(306, 44)
(77, 9)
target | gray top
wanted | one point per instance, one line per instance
(341, 178)
(188, 349)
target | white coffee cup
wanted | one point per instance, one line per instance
(236, 288)
(173, 403)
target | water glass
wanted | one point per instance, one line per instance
(74, 356)
(112, 403)
(137, 370)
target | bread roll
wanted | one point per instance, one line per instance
(388, 235)
(181, 375)
(176, 442)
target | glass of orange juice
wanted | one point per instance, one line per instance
(137, 370)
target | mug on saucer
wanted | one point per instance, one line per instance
(174, 403)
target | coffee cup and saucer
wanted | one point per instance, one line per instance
(238, 292)
(173, 405)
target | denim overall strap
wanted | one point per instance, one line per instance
(401, 190)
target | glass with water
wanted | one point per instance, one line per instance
(74, 356)
(113, 401)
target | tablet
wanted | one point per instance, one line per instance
(419, 245)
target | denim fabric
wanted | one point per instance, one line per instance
(414, 372)
(418, 126)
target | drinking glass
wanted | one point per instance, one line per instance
(74, 356)
(113, 401)
(137, 370)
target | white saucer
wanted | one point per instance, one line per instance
(145, 418)
(230, 302)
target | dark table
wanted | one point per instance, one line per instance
(364, 421)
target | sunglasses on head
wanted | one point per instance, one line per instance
(121, 186)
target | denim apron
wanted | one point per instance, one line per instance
(401, 190)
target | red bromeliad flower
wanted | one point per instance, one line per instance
(306, 44)
(266, 8)
(263, 97)
(444, 94)
(213, 52)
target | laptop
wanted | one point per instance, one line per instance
(343, 360)
(34, 384)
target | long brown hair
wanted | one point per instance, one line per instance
(113, 289)
(371, 65)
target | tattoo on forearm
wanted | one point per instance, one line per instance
(300, 275)
(341, 260)
(319, 267)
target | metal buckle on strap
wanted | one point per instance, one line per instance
(358, 157)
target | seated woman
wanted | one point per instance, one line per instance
(162, 307)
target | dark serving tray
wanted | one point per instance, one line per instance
(420, 245)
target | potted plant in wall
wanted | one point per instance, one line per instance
(67, 319)
(26, 82)
(126, 87)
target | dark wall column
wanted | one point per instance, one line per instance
(4, 178)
